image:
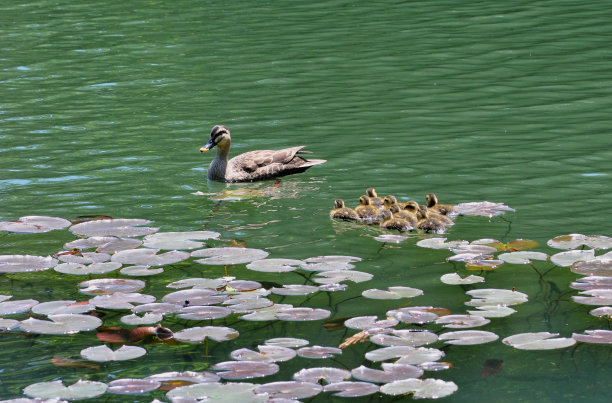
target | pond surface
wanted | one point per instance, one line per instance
(105, 106)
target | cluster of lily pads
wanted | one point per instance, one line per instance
(111, 245)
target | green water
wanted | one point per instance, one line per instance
(104, 107)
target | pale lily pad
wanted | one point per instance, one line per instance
(406, 354)
(594, 336)
(212, 283)
(492, 311)
(228, 256)
(245, 305)
(332, 262)
(204, 312)
(440, 243)
(120, 227)
(574, 241)
(265, 354)
(121, 300)
(412, 315)
(333, 259)
(104, 353)
(241, 286)
(462, 321)
(129, 386)
(513, 246)
(424, 389)
(405, 337)
(337, 276)
(61, 324)
(194, 296)
(157, 307)
(351, 389)
(289, 390)
(8, 324)
(318, 352)
(214, 391)
(199, 334)
(140, 271)
(522, 257)
(62, 307)
(368, 322)
(495, 296)
(178, 240)
(267, 313)
(566, 259)
(245, 369)
(289, 342)
(484, 208)
(594, 297)
(455, 279)
(483, 264)
(84, 257)
(393, 293)
(468, 337)
(86, 270)
(334, 287)
(538, 341)
(433, 366)
(391, 372)
(601, 267)
(34, 224)
(592, 282)
(328, 374)
(390, 238)
(274, 265)
(149, 257)
(474, 248)
(302, 314)
(5, 297)
(295, 289)
(110, 285)
(146, 319)
(187, 376)
(602, 311)
(108, 244)
(57, 390)
(17, 306)
(25, 263)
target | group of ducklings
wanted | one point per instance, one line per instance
(389, 214)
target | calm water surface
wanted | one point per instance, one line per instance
(104, 107)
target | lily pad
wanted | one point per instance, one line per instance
(602, 311)
(86, 270)
(412, 315)
(318, 352)
(522, 257)
(289, 390)
(393, 293)
(85, 257)
(424, 389)
(110, 285)
(495, 296)
(17, 306)
(594, 336)
(120, 227)
(34, 224)
(128, 386)
(104, 353)
(468, 337)
(331, 262)
(440, 243)
(289, 342)
(227, 256)
(462, 321)
(337, 276)
(61, 324)
(107, 244)
(265, 354)
(368, 322)
(390, 238)
(406, 354)
(62, 307)
(199, 334)
(275, 265)
(455, 279)
(25, 263)
(194, 296)
(212, 283)
(178, 240)
(149, 257)
(57, 390)
(245, 369)
(390, 372)
(492, 311)
(215, 391)
(140, 271)
(351, 389)
(513, 246)
(566, 259)
(189, 377)
(204, 312)
(267, 313)
(596, 267)
(484, 208)
(146, 319)
(302, 314)
(157, 307)
(594, 297)
(538, 341)
(328, 374)
(574, 241)
(121, 300)
(8, 324)
(405, 337)
(295, 289)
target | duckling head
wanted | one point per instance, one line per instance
(364, 200)
(432, 200)
(412, 206)
(390, 200)
(219, 136)
(371, 192)
(394, 208)
(422, 213)
(339, 203)
(387, 215)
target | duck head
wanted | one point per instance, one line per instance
(432, 200)
(412, 206)
(219, 136)
(386, 215)
(371, 192)
(390, 200)
(364, 200)
(339, 203)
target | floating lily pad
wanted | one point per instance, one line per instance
(602, 311)
(241, 286)
(225, 256)
(195, 296)
(120, 227)
(424, 389)
(212, 283)
(522, 257)
(351, 389)
(368, 322)
(139, 271)
(34, 224)
(17, 306)
(513, 246)
(198, 334)
(25, 263)
(318, 352)
(492, 311)
(302, 314)
(405, 337)
(267, 313)
(214, 391)
(295, 289)
(495, 296)
(393, 293)
(274, 265)
(149, 257)
(85, 257)
(178, 240)
(328, 374)
(57, 390)
(391, 372)
(61, 324)
(104, 353)
(332, 262)
(289, 390)
(468, 337)
(538, 341)
(596, 267)
(483, 264)
(407, 354)
(244, 369)
(594, 336)
(121, 300)
(574, 241)
(594, 297)
(157, 307)
(566, 259)
(107, 244)
(462, 321)
(592, 282)
(334, 287)
(455, 279)
(62, 307)
(204, 312)
(440, 243)
(484, 208)
(390, 238)
(85, 270)
(129, 386)
(433, 366)
(8, 324)
(289, 342)
(110, 285)
(412, 315)
(146, 319)
(474, 248)
(337, 276)
(265, 354)
(189, 377)
(244, 305)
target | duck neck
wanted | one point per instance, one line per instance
(218, 166)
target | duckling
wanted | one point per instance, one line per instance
(403, 214)
(368, 213)
(342, 212)
(252, 165)
(432, 204)
(390, 222)
(414, 208)
(389, 201)
(428, 224)
(374, 199)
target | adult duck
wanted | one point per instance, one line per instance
(253, 165)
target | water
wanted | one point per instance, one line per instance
(105, 106)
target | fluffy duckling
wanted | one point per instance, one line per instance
(389, 201)
(367, 212)
(390, 222)
(432, 204)
(374, 199)
(429, 224)
(414, 208)
(403, 214)
(342, 212)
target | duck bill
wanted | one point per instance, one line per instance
(210, 144)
